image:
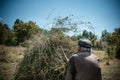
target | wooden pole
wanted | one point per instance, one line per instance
(64, 53)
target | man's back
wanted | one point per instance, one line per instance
(84, 66)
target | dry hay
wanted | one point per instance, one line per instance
(44, 59)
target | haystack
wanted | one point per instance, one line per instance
(44, 59)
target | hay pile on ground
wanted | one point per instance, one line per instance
(44, 59)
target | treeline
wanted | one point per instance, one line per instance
(110, 42)
(22, 31)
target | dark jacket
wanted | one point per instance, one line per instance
(83, 66)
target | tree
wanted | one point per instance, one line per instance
(85, 34)
(89, 35)
(24, 30)
(107, 37)
(116, 39)
(4, 33)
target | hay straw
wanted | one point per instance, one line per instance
(44, 59)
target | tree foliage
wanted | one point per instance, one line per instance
(21, 31)
(24, 30)
(116, 39)
(89, 35)
(107, 37)
(4, 33)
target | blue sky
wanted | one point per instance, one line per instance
(103, 14)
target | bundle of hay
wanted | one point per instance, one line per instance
(44, 59)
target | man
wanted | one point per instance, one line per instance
(83, 65)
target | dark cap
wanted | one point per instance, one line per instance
(86, 43)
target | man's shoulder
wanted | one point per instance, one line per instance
(73, 56)
(85, 54)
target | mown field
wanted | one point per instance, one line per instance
(111, 69)
(11, 56)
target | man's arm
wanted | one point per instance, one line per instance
(68, 74)
(99, 76)
(71, 70)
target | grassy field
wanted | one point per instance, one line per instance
(11, 56)
(110, 71)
